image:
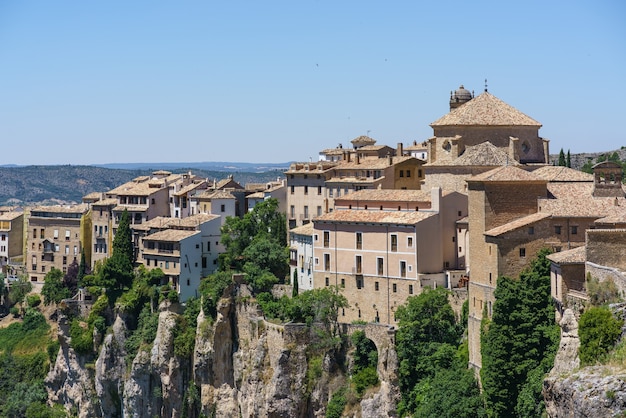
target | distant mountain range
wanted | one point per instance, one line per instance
(207, 166)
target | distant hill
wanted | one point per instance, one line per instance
(206, 166)
(27, 185)
(579, 160)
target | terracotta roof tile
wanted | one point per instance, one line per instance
(516, 224)
(561, 174)
(576, 255)
(306, 229)
(485, 110)
(374, 216)
(506, 173)
(170, 235)
(389, 195)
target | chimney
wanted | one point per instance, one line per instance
(357, 159)
(400, 151)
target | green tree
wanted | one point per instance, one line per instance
(598, 330)
(117, 271)
(53, 290)
(568, 161)
(70, 279)
(426, 341)
(521, 336)
(562, 161)
(82, 267)
(294, 290)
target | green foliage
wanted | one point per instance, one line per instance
(25, 336)
(598, 331)
(568, 160)
(70, 279)
(82, 267)
(23, 395)
(601, 293)
(257, 244)
(314, 371)
(82, 336)
(33, 300)
(117, 271)
(185, 331)
(53, 290)
(294, 290)
(521, 337)
(562, 161)
(452, 393)
(434, 379)
(19, 290)
(364, 378)
(337, 404)
(212, 288)
(145, 333)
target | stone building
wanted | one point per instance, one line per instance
(514, 213)
(54, 239)
(11, 238)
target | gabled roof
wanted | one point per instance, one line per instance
(559, 174)
(170, 235)
(576, 255)
(388, 195)
(485, 110)
(483, 154)
(506, 173)
(517, 223)
(306, 229)
(374, 217)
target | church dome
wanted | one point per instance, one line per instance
(460, 96)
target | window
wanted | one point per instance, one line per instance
(326, 262)
(327, 281)
(306, 212)
(42, 234)
(574, 230)
(223, 208)
(67, 235)
(394, 242)
(319, 190)
(409, 242)
(531, 230)
(401, 173)
(522, 252)
(67, 249)
(489, 278)
(359, 264)
(306, 189)
(56, 233)
(292, 189)
(35, 233)
(380, 266)
(394, 288)
(408, 173)
(359, 241)
(343, 283)
(292, 211)
(326, 239)
(330, 192)
(152, 200)
(376, 286)
(319, 211)
(419, 173)
(410, 289)
(557, 229)
(167, 264)
(402, 268)
(359, 282)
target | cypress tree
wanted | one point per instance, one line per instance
(569, 160)
(562, 161)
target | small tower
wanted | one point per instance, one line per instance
(607, 179)
(460, 96)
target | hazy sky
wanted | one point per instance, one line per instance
(86, 82)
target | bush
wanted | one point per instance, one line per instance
(33, 300)
(598, 331)
(82, 338)
(601, 293)
(337, 404)
(365, 378)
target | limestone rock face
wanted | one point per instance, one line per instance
(70, 382)
(592, 392)
(242, 366)
(566, 358)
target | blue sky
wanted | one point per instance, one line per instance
(274, 81)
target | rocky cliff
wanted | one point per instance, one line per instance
(242, 366)
(571, 391)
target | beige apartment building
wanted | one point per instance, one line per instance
(379, 257)
(306, 191)
(54, 239)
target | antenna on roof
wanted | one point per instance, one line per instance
(485, 84)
